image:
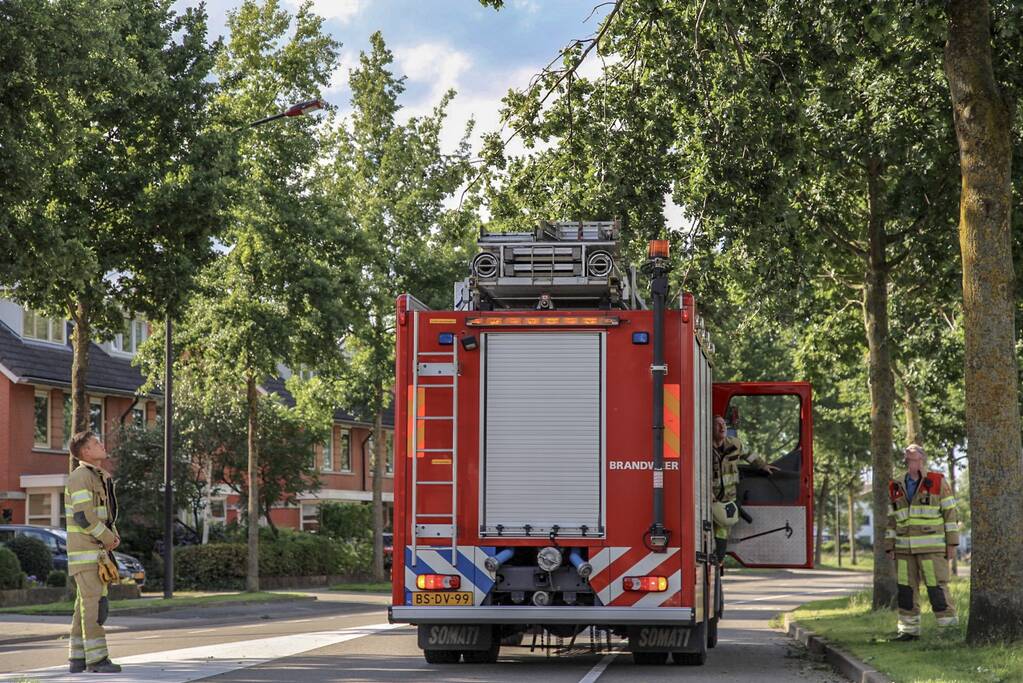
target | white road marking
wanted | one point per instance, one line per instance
(193, 663)
(201, 630)
(148, 637)
(598, 668)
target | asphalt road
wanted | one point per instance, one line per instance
(345, 637)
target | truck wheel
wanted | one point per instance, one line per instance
(441, 656)
(649, 658)
(482, 656)
(712, 633)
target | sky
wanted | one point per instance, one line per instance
(440, 44)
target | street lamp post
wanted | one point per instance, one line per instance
(299, 109)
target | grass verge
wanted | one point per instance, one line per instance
(369, 587)
(144, 605)
(938, 657)
(864, 562)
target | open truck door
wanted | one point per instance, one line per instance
(775, 421)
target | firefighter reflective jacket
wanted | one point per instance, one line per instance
(928, 522)
(90, 514)
(727, 459)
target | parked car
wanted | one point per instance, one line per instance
(388, 550)
(130, 568)
(55, 539)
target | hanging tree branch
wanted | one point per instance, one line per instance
(564, 74)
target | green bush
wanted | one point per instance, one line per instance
(222, 565)
(35, 558)
(57, 579)
(11, 575)
(346, 521)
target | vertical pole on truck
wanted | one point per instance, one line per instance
(415, 427)
(658, 267)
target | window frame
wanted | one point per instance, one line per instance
(45, 395)
(56, 328)
(98, 400)
(302, 505)
(345, 453)
(68, 419)
(388, 454)
(327, 451)
(29, 517)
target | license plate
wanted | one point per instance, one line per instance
(138, 576)
(442, 599)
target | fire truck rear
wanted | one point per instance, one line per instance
(554, 460)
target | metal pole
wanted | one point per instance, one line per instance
(168, 459)
(658, 370)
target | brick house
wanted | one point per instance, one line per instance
(35, 418)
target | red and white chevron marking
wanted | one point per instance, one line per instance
(611, 565)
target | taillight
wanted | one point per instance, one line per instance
(438, 582)
(646, 584)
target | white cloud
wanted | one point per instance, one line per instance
(436, 64)
(340, 10)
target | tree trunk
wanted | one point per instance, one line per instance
(882, 383)
(81, 336)
(821, 506)
(951, 457)
(252, 570)
(911, 410)
(983, 123)
(838, 531)
(208, 501)
(852, 524)
(379, 448)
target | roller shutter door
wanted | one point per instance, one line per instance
(542, 454)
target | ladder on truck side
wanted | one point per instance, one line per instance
(440, 368)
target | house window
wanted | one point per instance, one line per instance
(344, 453)
(42, 419)
(131, 336)
(68, 420)
(36, 326)
(40, 509)
(389, 457)
(96, 417)
(218, 509)
(305, 373)
(328, 452)
(138, 416)
(310, 517)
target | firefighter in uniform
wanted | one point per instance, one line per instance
(91, 513)
(728, 452)
(922, 535)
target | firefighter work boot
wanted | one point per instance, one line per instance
(76, 666)
(104, 666)
(903, 637)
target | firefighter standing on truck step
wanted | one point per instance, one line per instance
(728, 451)
(91, 513)
(922, 535)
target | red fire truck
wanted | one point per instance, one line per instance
(554, 457)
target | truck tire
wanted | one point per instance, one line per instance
(482, 656)
(697, 657)
(441, 656)
(649, 658)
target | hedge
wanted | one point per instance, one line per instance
(35, 558)
(222, 565)
(11, 575)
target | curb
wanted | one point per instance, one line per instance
(142, 611)
(840, 660)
